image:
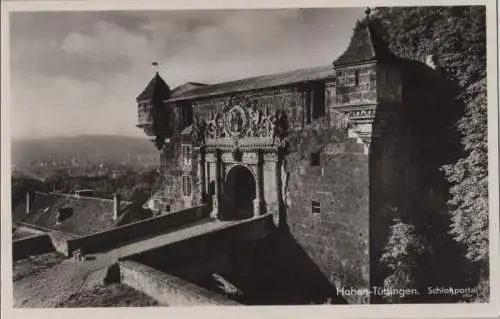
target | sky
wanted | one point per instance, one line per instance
(75, 73)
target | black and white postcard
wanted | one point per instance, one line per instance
(322, 160)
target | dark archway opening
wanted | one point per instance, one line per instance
(239, 194)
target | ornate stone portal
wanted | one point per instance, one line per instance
(241, 138)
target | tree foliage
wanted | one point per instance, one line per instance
(22, 184)
(403, 256)
(469, 177)
(454, 36)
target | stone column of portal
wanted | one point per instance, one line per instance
(201, 168)
(207, 178)
(257, 203)
(280, 214)
(216, 200)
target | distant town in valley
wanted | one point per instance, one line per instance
(98, 162)
(91, 155)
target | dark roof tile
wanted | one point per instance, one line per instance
(184, 88)
(259, 82)
(156, 89)
(88, 214)
(365, 45)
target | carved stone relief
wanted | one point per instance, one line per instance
(242, 121)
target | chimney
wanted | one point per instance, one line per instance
(29, 199)
(116, 205)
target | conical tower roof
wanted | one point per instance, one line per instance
(365, 46)
(157, 89)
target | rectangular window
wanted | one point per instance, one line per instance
(156, 204)
(315, 159)
(318, 101)
(308, 107)
(186, 154)
(186, 185)
(187, 115)
(315, 207)
(165, 208)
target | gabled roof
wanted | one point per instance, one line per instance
(88, 214)
(365, 45)
(258, 82)
(157, 89)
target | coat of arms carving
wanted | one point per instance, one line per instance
(236, 121)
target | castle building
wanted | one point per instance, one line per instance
(314, 148)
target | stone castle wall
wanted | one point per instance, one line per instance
(335, 232)
(173, 168)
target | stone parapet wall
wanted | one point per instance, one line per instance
(202, 246)
(59, 239)
(149, 227)
(167, 289)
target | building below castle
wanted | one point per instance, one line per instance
(74, 215)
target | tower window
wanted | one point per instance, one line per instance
(356, 77)
(315, 159)
(315, 207)
(186, 185)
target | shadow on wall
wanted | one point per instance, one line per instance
(273, 270)
(407, 182)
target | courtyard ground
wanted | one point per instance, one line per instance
(51, 280)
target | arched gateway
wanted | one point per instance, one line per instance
(239, 194)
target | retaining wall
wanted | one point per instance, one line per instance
(167, 289)
(204, 246)
(33, 245)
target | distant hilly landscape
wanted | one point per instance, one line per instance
(108, 148)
